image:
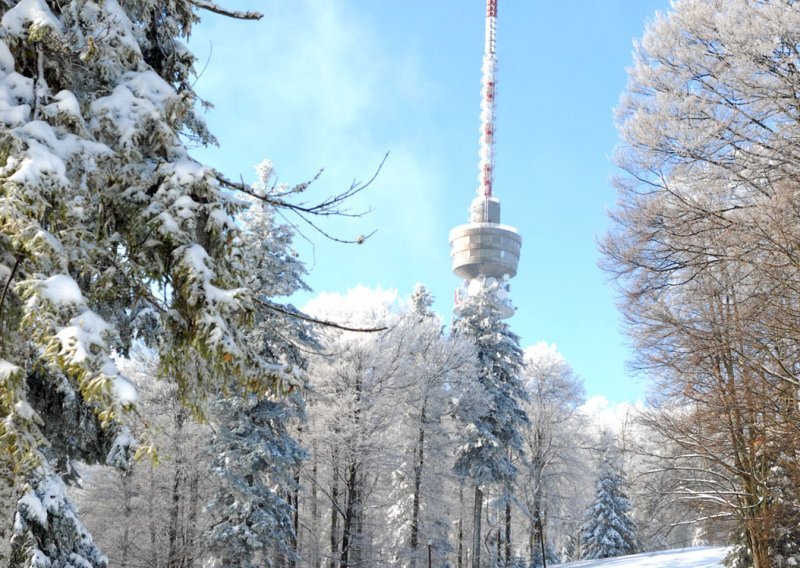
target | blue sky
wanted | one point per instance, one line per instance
(336, 84)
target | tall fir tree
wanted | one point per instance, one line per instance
(255, 460)
(494, 429)
(108, 227)
(609, 529)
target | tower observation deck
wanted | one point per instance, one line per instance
(484, 247)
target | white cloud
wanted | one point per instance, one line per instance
(359, 304)
(604, 415)
(543, 351)
(327, 62)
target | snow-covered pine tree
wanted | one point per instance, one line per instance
(609, 529)
(255, 459)
(494, 430)
(106, 221)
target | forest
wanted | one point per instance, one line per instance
(165, 404)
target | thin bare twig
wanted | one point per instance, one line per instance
(301, 316)
(332, 206)
(327, 207)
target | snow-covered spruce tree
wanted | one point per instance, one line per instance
(609, 530)
(105, 221)
(255, 459)
(494, 430)
(254, 462)
(160, 513)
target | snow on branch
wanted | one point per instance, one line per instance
(217, 9)
(301, 316)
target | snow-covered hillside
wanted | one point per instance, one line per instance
(701, 557)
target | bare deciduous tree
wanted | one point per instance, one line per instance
(704, 248)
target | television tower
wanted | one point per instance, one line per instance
(484, 247)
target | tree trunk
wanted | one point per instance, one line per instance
(498, 545)
(350, 513)
(542, 541)
(419, 463)
(294, 501)
(759, 545)
(296, 520)
(191, 521)
(127, 510)
(352, 485)
(151, 514)
(508, 532)
(315, 555)
(460, 555)
(531, 543)
(539, 527)
(334, 513)
(537, 530)
(173, 554)
(760, 552)
(476, 528)
(357, 546)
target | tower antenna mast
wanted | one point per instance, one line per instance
(484, 249)
(489, 83)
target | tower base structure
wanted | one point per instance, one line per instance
(485, 248)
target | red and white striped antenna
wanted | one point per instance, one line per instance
(486, 154)
(483, 247)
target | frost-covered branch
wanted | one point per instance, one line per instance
(332, 206)
(217, 9)
(301, 316)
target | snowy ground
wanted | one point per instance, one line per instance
(703, 557)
